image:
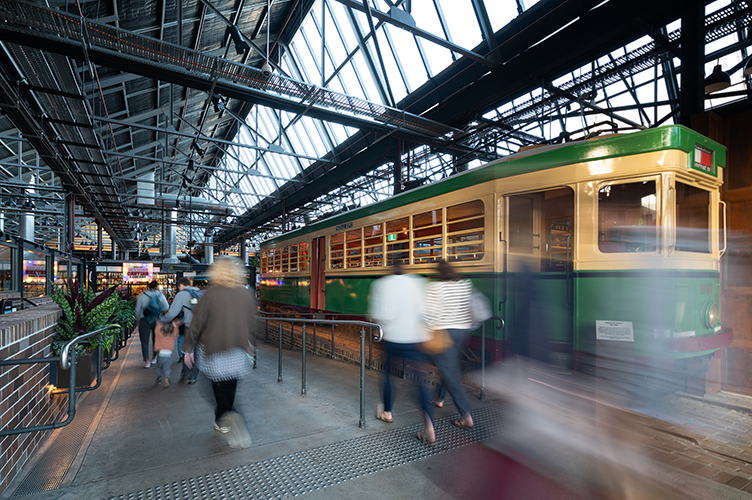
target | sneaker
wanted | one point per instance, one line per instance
(192, 381)
(159, 379)
(147, 364)
(223, 430)
(166, 383)
(154, 360)
(239, 435)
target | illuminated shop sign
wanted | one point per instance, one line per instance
(34, 271)
(139, 272)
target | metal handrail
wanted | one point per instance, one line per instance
(363, 324)
(65, 365)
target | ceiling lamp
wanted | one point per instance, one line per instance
(11, 203)
(30, 203)
(748, 66)
(718, 80)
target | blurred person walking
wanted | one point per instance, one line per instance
(149, 307)
(182, 309)
(448, 308)
(165, 333)
(396, 303)
(222, 332)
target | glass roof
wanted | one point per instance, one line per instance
(275, 146)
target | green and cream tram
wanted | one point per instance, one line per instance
(604, 246)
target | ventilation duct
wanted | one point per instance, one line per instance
(189, 202)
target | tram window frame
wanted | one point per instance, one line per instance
(625, 234)
(284, 259)
(303, 256)
(264, 262)
(689, 236)
(354, 248)
(459, 228)
(293, 258)
(425, 231)
(398, 249)
(339, 246)
(373, 245)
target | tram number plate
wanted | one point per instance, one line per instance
(614, 330)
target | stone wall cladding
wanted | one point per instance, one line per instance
(24, 393)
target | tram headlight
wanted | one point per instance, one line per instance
(710, 315)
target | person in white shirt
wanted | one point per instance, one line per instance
(396, 303)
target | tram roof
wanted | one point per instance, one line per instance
(536, 159)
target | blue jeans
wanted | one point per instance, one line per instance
(409, 352)
(449, 364)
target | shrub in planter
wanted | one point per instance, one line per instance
(83, 312)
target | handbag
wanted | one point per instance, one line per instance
(439, 342)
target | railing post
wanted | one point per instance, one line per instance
(314, 338)
(332, 341)
(362, 422)
(279, 362)
(370, 348)
(482, 361)
(303, 389)
(404, 368)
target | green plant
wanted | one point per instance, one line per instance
(83, 312)
(125, 311)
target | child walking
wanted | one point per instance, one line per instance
(165, 334)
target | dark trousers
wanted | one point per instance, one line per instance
(409, 352)
(449, 364)
(224, 394)
(145, 334)
(187, 373)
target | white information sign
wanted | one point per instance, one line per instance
(614, 330)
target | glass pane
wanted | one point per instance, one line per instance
(427, 237)
(264, 262)
(337, 251)
(398, 241)
(34, 274)
(303, 256)
(465, 224)
(5, 260)
(293, 258)
(285, 259)
(626, 218)
(354, 244)
(373, 245)
(692, 219)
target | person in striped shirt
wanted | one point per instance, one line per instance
(447, 307)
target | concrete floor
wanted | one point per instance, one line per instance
(146, 437)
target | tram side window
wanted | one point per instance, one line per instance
(465, 223)
(293, 258)
(627, 217)
(285, 259)
(275, 260)
(354, 244)
(692, 219)
(398, 241)
(264, 262)
(303, 256)
(373, 245)
(337, 251)
(427, 236)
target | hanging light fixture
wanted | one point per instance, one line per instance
(30, 203)
(717, 80)
(748, 66)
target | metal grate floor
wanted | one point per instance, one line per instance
(49, 472)
(314, 469)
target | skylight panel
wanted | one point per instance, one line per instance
(337, 131)
(351, 82)
(463, 25)
(500, 13)
(438, 57)
(409, 58)
(342, 19)
(427, 19)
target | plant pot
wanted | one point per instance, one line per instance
(86, 372)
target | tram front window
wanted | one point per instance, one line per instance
(692, 219)
(627, 217)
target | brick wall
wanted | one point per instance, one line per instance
(24, 391)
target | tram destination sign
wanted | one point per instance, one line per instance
(703, 159)
(346, 225)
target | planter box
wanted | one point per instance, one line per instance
(86, 372)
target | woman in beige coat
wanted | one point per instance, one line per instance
(222, 333)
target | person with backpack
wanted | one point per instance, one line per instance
(182, 309)
(149, 307)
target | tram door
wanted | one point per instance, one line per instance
(537, 254)
(318, 265)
